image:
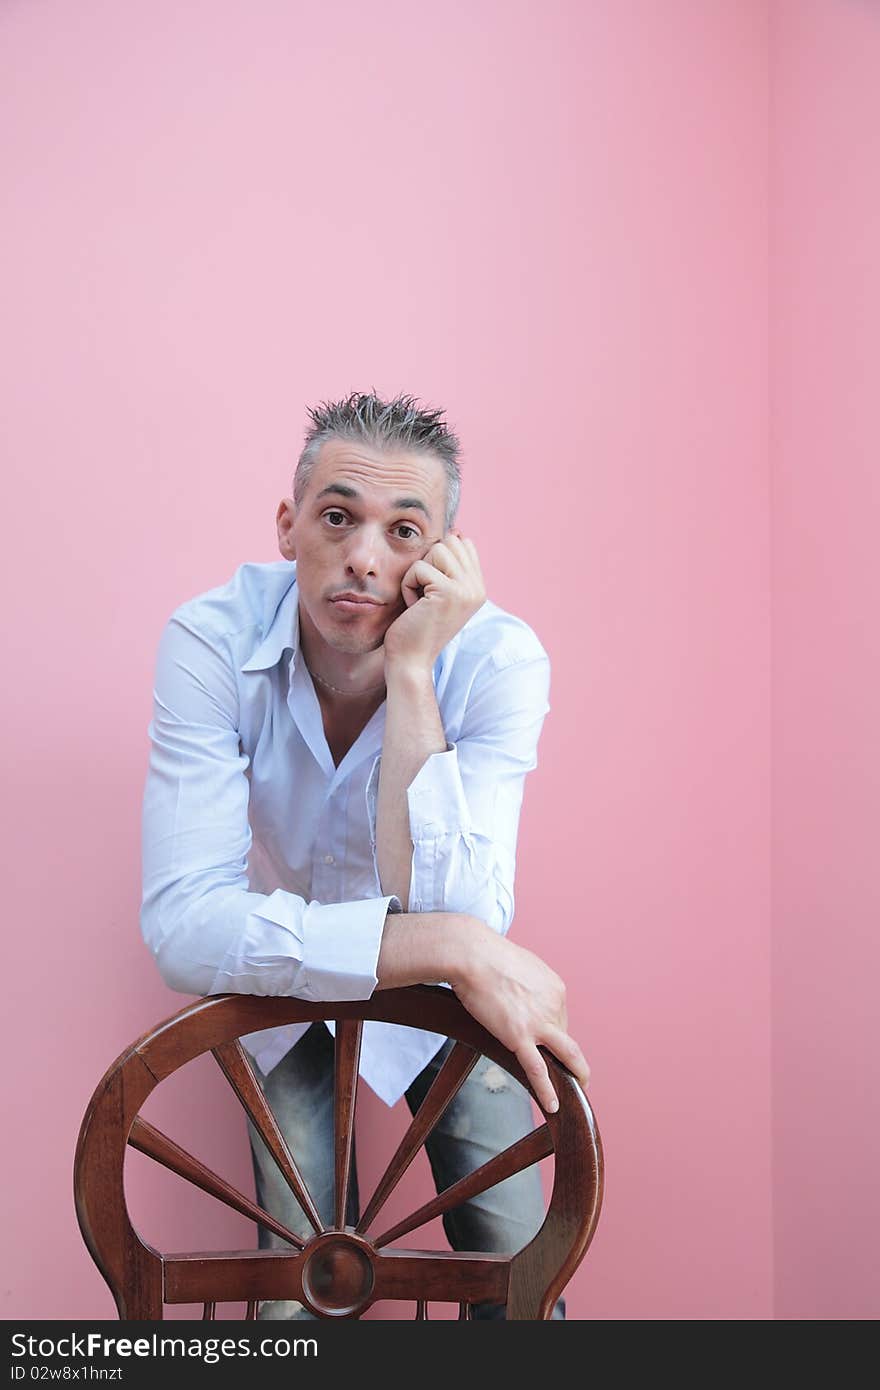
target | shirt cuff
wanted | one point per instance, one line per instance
(341, 947)
(436, 799)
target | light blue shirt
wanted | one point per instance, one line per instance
(259, 854)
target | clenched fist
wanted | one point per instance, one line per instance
(441, 591)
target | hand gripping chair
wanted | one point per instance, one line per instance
(338, 1272)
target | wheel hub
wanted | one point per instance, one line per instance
(337, 1274)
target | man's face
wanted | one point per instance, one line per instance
(366, 515)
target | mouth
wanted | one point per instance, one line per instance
(348, 604)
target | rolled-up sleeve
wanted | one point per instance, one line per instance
(465, 802)
(208, 932)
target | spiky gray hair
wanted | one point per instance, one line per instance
(400, 423)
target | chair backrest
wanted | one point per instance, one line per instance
(341, 1270)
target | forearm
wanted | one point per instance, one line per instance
(427, 948)
(413, 731)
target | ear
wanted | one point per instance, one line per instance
(284, 519)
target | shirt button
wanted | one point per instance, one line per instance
(328, 859)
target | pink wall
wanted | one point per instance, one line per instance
(556, 226)
(826, 782)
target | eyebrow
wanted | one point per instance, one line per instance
(400, 503)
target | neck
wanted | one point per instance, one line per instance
(342, 678)
(344, 694)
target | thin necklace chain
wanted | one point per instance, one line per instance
(369, 691)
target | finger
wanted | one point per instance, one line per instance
(535, 1069)
(419, 574)
(446, 559)
(466, 541)
(469, 564)
(471, 549)
(566, 1051)
(464, 550)
(409, 586)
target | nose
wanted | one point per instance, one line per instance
(362, 556)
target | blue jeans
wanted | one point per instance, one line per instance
(490, 1112)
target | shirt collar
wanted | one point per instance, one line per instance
(282, 634)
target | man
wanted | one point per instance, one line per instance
(338, 751)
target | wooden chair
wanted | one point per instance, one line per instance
(339, 1271)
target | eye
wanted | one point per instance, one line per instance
(334, 511)
(413, 533)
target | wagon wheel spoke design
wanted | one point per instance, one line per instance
(445, 1275)
(347, 1054)
(240, 1075)
(159, 1147)
(445, 1086)
(367, 1267)
(336, 1269)
(526, 1151)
